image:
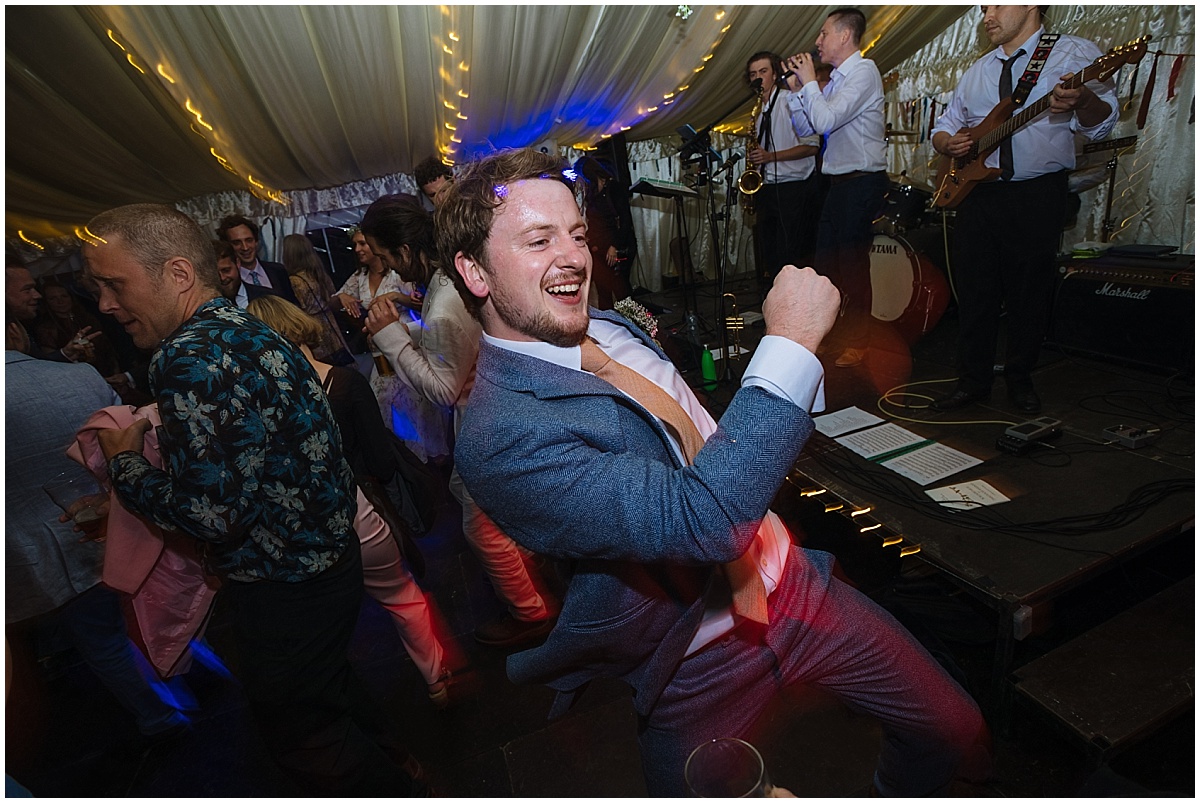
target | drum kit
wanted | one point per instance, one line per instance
(909, 289)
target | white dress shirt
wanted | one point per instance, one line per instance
(257, 270)
(779, 366)
(1047, 144)
(784, 134)
(241, 299)
(850, 114)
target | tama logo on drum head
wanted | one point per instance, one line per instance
(884, 248)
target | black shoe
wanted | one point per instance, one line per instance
(1025, 399)
(509, 632)
(957, 399)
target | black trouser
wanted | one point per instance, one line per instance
(312, 712)
(844, 239)
(1006, 236)
(784, 213)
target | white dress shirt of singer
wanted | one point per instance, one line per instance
(849, 111)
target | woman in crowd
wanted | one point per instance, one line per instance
(365, 444)
(314, 290)
(403, 412)
(437, 359)
(374, 280)
(427, 404)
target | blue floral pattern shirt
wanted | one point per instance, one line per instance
(251, 451)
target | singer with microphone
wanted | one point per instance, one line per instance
(784, 154)
(849, 112)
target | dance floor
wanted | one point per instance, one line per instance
(66, 736)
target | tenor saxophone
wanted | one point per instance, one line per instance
(751, 181)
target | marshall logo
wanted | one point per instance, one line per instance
(1123, 292)
(884, 248)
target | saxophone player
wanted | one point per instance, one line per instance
(785, 155)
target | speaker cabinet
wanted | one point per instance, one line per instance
(1135, 311)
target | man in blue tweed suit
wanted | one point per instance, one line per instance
(573, 467)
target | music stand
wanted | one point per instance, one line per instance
(677, 193)
(701, 143)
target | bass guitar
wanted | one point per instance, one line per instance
(957, 176)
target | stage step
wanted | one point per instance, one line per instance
(1120, 681)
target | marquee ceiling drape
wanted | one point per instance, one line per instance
(109, 105)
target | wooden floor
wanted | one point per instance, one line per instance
(494, 740)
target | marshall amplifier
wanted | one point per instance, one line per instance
(1136, 311)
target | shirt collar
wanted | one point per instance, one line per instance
(568, 357)
(850, 61)
(1028, 45)
(600, 331)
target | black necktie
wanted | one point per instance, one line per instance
(1006, 153)
(764, 135)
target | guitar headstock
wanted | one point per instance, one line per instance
(1110, 62)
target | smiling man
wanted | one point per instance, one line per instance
(253, 470)
(242, 234)
(584, 443)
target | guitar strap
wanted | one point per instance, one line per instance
(1034, 68)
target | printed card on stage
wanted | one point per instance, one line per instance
(843, 421)
(930, 463)
(967, 495)
(877, 441)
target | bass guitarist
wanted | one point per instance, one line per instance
(1007, 231)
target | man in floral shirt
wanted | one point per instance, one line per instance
(253, 469)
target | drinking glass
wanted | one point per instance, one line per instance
(79, 495)
(726, 768)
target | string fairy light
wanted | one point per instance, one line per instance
(643, 111)
(36, 245)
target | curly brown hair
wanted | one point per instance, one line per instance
(464, 220)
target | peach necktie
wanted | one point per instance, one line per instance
(749, 593)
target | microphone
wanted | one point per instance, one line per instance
(789, 73)
(756, 85)
(731, 161)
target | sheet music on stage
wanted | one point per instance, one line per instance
(661, 188)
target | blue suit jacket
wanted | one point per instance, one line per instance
(45, 564)
(570, 467)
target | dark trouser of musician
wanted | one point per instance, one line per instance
(844, 239)
(785, 210)
(1006, 237)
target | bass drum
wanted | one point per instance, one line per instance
(907, 291)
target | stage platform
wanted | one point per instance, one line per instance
(959, 593)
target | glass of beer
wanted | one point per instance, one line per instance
(726, 768)
(78, 494)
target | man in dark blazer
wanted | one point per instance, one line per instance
(577, 468)
(230, 276)
(242, 233)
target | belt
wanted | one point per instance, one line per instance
(838, 179)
